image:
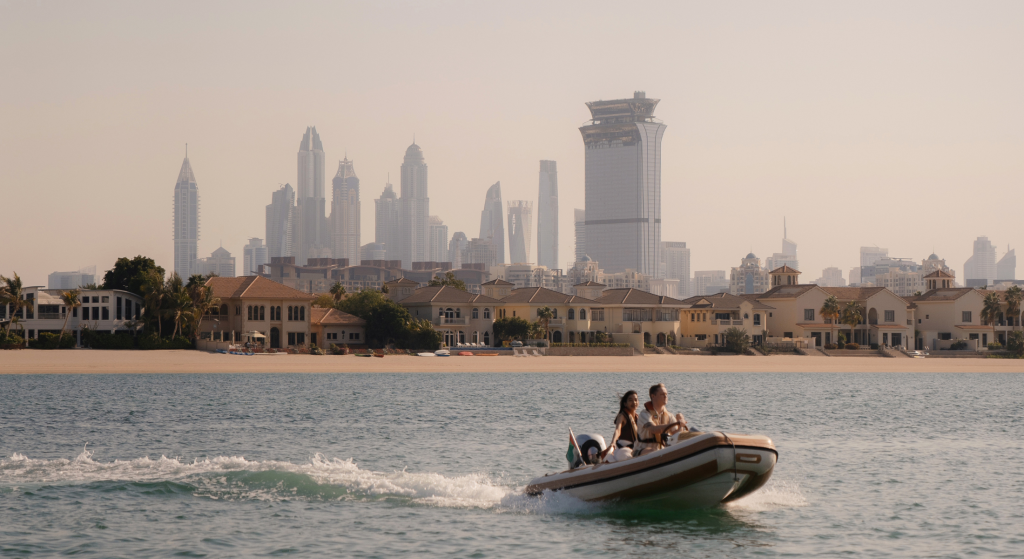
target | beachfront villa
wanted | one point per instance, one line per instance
(331, 326)
(944, 316)
(706, 319)
(281, 314)
(102, 310)
(461, 317)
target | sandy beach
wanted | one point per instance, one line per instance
(109, 361)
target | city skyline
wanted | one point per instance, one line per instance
(808, 130)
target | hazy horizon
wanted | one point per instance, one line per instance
(899, 126)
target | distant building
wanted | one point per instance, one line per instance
(387, 222)
(710, 282)
(622, 144)
(186, 221)
(788, 255)
(281, 222)
(311, 237)
(345, 208)
(71, 280)
(547, 216)
(676, 266)
(414, 207)
(373, 251)
(101, 310)
(481, 251)
(749, 277)
(932, 264)
(580, 225)
(492, 220)
(831, 277)
(589, 270)
(1006, 268)
(520, 230)
(666, 287)
(437, 248)
(220, 263)
(530, 275)
(980, 268)
(456, 247)
(254, 256)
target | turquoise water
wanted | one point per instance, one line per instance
(383, 465)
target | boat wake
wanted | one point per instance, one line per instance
(774, 495)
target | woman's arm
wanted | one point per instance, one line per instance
(615, 437)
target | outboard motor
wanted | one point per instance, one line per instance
(591, 447)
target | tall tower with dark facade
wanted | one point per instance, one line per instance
(622, 142)
(311, 232)
(281, 222)
(387, 226)
(414, 205)
(492, 220)
(547, 216)
(186, 221)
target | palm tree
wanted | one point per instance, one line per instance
(11, 294)
(1014, 296)
(203, 300)
(830, 311)
(178, 302)
(853, 313)
(154, 293)
(71, 301)
(337, 291)
(990, 310)
(545, 314)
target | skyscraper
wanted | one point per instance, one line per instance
(387, 228)
(437, 249)
(580, 224)
(980, 268)
(623, 184)
(677, 265)
(414, 205)
(456, 247)
(492, 220)
(281, 222)
(547, 216)
(311, 239)
(345, 207)
(1006, 268)
(186, 221)
(788, 255)
(254, 256)
(520, 227)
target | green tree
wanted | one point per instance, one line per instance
(990, 310)
(1015, 343)
(736, 340)
(324, 301)
(178, 302)
(337, 291)
(853, 314)
(830, 311)
(544, 316)
(201, 295)
(448, 280)
(1014, 297)
(130, 274)
(422, 335)
(386, 321)
(11, 293)
(71, 301)
(511, 328)
(154, 293)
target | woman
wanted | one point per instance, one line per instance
(625, 428)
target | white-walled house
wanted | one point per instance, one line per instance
(102, 310)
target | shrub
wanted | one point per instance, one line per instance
(994, 346)
(48, 340)
(852, 345)
(831, 346)
(736, 341)
(1015, 343)
(10, 340)
(958, 345)
(874, 346)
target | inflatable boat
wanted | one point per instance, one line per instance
(695, 470)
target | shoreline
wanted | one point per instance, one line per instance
(91, 361)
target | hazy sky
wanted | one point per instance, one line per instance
(898, 124)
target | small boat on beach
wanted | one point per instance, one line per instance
(695, 470)
(466, 353)
(426, 355)
(443, 353)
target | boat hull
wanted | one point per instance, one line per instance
(705, 470)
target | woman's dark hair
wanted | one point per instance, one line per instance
(624, 399)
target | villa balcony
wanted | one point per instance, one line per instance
(556, 323)
(443, 321)
(727, 323)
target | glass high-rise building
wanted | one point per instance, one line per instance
(414, 205)
(547, 216)
(345, 207)
(186, 222)
(580, 227)
(623, 184)
(281, 222)
(311, 232)
(387, 228)
(520, 229)
(492, 220)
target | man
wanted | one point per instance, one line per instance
(656, 423)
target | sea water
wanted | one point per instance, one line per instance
(434, 465)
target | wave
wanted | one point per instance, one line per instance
(774, 495)
(234, 477)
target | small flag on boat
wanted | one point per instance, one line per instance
(573, 454)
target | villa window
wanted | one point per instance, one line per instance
(583, 314)
(487, 312)
(890, 316)
(458, 313)
(291, 337)
(757, 319)
(476, 313)
(95, 313)
(693, 317)
(263, 315)
(249, 312)
(106, 313)
(572, 314)
(119, 303)
(597, 315)
(809, 314)
(966, 316)
(289, 314)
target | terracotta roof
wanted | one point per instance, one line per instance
(852, 293)
(253, 287)
(786, 291)
(630, 296)
(334, 317)
(785, 269)
(590, 284)
(940, 274)
(497, 282)
(445, 294)
(973, 327)
(723, 301)
(401, 282)
(541, 295)
(947, 294)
